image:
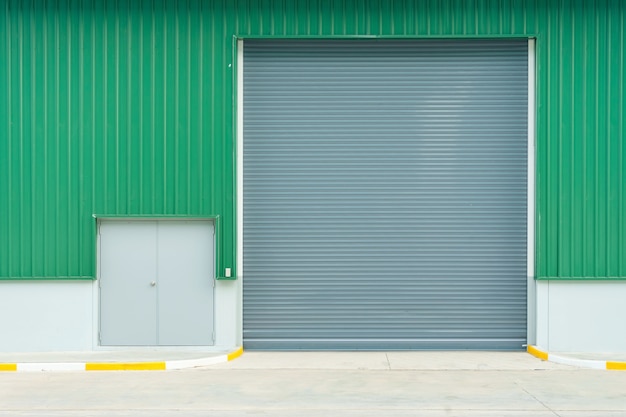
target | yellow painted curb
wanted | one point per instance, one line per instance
(582, 363)
(8, 367)
(537, 353)
(137, 366)
(158, 366)
(234, 355)
(616, 366)
(121, 366)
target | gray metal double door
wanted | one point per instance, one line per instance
(156, 283)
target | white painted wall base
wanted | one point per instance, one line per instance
(227, 312)
(39, 316)
(581, 316)
(58, 316)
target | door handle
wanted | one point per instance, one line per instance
(153, 283)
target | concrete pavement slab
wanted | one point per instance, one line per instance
(591, 413)
(258, 384)
(577, 391)
(317, 391)
(309, 413)
(468, 360)
(292, 413)
(416, 360)
(267, 390)
(309, 360)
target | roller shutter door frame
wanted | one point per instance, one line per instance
(384, 194)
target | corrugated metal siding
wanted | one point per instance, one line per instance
(113, 109)
(385, 194)
(580, 141)
(79, 77)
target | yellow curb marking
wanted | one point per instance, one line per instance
(235, 354)
(138, 366)
(616, 366)
(132, 366)
(8, 367)
(537, 353)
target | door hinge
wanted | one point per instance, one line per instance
(213, 337)
(99, 337)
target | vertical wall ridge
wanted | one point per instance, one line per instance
(5, 146)
(621, 115)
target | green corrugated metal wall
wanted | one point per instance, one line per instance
(127, 108)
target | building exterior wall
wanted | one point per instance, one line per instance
(47, 315)
(128, 109)
(581, 316)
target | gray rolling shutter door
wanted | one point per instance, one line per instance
(385, 194)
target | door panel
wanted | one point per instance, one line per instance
(156, 280)
(127, 269)
(185, 268)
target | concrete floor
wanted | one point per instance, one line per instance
(430, 384)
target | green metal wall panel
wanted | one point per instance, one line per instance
(117, 109)
(126, 108)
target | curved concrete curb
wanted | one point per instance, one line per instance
(121, 366)
(581, 363)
